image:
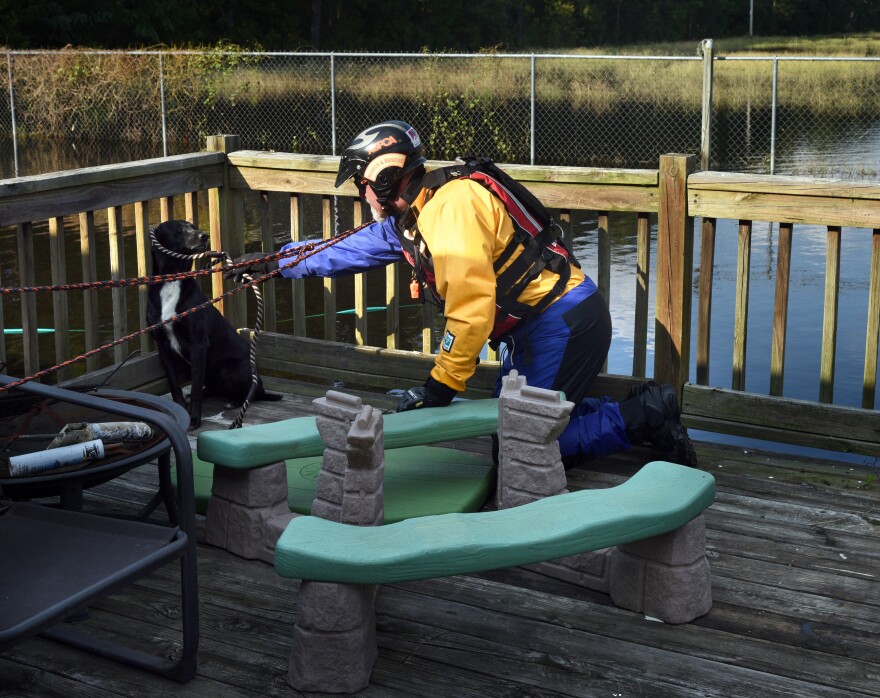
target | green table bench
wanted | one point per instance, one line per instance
(659, 498)
(261, 444)
(648, 534)
(250, 481)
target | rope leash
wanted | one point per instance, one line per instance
(298, 254)
(92, 352)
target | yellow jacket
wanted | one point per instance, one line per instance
(466, 228)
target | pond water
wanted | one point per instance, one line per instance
(806, 295)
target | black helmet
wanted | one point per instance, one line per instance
(381, 155)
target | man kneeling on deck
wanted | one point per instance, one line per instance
(486, 252)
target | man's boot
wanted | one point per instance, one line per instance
(651, 413)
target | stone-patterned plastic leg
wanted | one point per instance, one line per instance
(530, 468)
(665, 577)
(529, 422)
(335, 414)
(334, 641)
(248, 510)
(588, 570)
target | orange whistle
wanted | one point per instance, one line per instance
(415, 290)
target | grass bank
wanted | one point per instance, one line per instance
(593, 82)
(116, 95)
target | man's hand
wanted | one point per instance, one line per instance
(432, 394)
(257, 265)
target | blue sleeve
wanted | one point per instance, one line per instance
(374, 246)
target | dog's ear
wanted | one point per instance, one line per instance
(161, 231)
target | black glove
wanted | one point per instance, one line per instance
(258, 267)
(432, 394)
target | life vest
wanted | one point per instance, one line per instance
(536, 236)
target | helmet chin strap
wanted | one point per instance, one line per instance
(413, 187)
(405, 192)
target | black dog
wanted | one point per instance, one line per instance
(203, 346)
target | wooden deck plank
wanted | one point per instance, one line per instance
(651, 652)
(794, 559)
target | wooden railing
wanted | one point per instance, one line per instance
(790, 202)
(103, 203)
(605, 192)
(89, 200)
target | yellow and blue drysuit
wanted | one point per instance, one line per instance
(465, 228)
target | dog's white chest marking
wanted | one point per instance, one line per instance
(170, 294)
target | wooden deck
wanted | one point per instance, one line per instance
(793, 544)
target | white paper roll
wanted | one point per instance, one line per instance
(39, 461)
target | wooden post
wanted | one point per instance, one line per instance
(88, 259)
(117, 271)
(224, 235)
(829, 324)
(675, 252)
(392, 304)
(27, 277)
(144, 265)
(361, 302)
(704, 313)
(268, 290)
(329, 283)
(780, 309)
(166, 208)
(191, 207)
(741, 311)
(643, 273)
(604, 263)
(298, 285)
(58, 261)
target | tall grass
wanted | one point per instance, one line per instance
(87, 93)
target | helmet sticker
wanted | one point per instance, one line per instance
(381, 162)
(386, 142)
(363, 139)
(414, 137)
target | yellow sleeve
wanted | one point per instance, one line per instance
(462, 225)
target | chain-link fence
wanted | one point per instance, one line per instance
(817, 116)
(810, 116)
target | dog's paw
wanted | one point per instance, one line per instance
(195, 423)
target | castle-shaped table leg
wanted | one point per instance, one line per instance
(529, 422)
(665, 577)
(334, 641)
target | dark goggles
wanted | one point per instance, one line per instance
(382, 193)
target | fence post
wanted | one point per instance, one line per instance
(773, 107)
(708, 54)
(27, 277)
(162, 99)
(12, 112)
(675, 253)
(532, 113)
(333, 104)
(226, 233)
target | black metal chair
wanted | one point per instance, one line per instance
(56, 562)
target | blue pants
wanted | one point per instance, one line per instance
(564, 349)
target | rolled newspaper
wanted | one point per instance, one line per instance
(40, 461)
(108, 432)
